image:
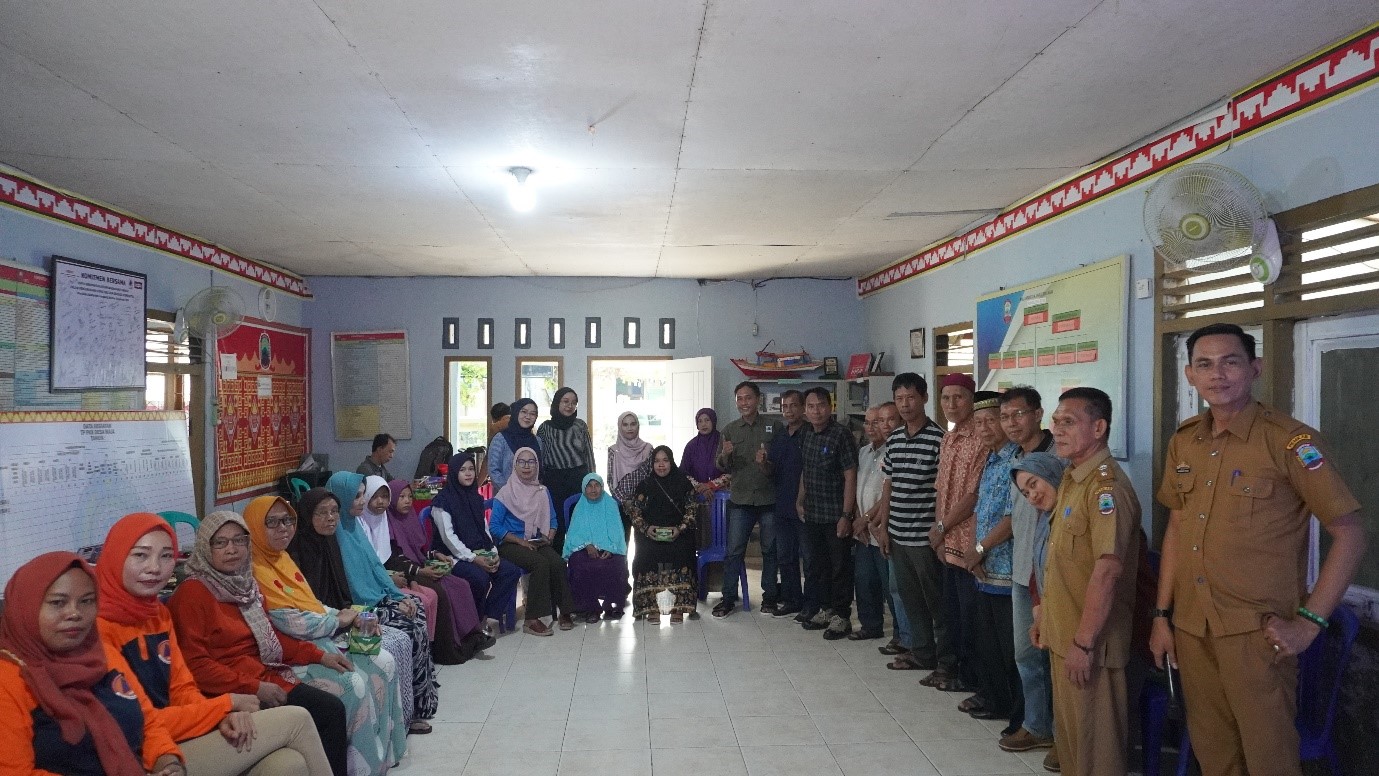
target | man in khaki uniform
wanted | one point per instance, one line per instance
(1241, 480)
(1089, 578)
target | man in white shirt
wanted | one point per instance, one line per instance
(871, 568)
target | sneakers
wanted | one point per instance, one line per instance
(784, 609)
(1023, 741)
(1051, 761)
(837, 628)
(802, 616)
(819, 621)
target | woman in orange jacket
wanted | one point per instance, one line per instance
(62, 707)
(222, 735)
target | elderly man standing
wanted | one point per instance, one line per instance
(1242, 481)
(1085, 616)
(871, 571)
(961, 459)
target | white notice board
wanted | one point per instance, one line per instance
(98, 326)
(370, 383)
(66, 477)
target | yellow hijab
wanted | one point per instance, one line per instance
(279, 579)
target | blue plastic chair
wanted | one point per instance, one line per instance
(1321, 671)
(508, 622)
(570, 508)
(717, 551)
(425, 517)
(1153, 721)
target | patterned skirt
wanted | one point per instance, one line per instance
(646, 584)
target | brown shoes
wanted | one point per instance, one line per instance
(1023, 741)
(1051, 761)
(536, 628)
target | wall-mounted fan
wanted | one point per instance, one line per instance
(1206, 218)
(211, 313)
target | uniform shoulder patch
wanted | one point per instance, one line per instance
(1292, 443)
(1309, 456)
(1105, 502)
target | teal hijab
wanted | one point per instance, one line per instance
(369, 581)
(595, 522)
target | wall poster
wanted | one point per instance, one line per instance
(371, 385)
(98, 330)
(265, 414)
(1058, 333)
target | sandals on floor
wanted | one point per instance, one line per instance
(677, 618)
(419, 728)
(566, 623)
(943, 681)
(536, 628)
(892, 647)
(906, 661)
(971, 704)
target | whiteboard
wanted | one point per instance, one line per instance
(98, 326)
(66, 477)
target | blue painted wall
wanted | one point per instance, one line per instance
(822, 316)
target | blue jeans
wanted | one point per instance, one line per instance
(872, 575)
(741, 519)
(1033, 664)
(787, 530)
(898, 615)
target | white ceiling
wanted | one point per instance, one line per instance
(713, 138)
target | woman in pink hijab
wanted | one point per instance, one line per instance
(522, 523)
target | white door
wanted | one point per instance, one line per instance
(691, 388)
(1337, 367)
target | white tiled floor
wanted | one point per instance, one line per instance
(749, 695)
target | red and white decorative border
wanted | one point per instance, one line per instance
(44, 200)
(1324, 76)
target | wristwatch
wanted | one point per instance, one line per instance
(980, 549)
(1164, 613)
(939, 523)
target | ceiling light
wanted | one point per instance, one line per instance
(520, 195)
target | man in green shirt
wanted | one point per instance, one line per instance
(752, 497)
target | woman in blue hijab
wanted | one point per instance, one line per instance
(596, 553)
(371, 585)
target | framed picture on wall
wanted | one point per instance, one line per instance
(916, 343)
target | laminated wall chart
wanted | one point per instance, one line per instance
(1058, 333)
(370, 383)
(24, 348)
(66, 477)
(98, 326)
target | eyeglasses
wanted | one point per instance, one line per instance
(1015, 415)
(281, 522)
(526, 461)
(332, 511)
(221, 543)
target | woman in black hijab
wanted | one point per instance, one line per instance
(663, 516)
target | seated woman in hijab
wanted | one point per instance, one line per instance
(296, 611)
(230, 645)
(663, 515)
(370, 585)
(504, 445)
(596, 554)
(460, 537)
(460, 634)
(222, 735)
(567, 454)
(522, 522)
(63, 708)
(373, 521)
(698, 461)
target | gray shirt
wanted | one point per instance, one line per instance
(1023, 524)
(370, 469)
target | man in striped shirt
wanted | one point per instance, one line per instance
(910, 467)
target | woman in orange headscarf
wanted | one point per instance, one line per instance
(224, 734)
(62, 706)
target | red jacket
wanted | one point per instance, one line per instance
(219, 647)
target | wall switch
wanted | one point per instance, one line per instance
(1142, 288)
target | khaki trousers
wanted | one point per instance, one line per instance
(286, 744)
(1091, 724)
(1240, 705)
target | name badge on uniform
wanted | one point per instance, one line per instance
(1182, 468)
